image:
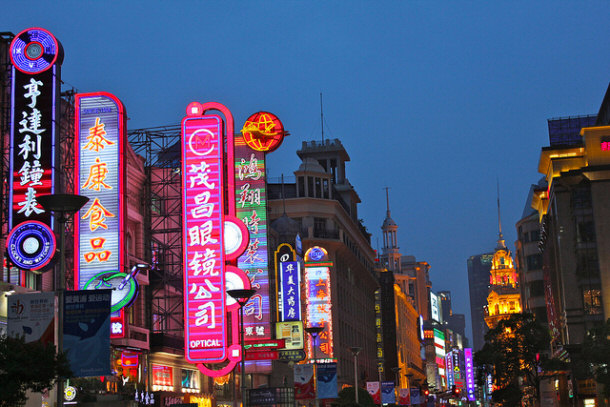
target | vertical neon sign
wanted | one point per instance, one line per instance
(99, 175)
(203, 213)
(319, 306)
(36, 56)
(470, 390)
(251, 208)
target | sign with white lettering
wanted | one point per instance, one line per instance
(204, 258)
(36, 56)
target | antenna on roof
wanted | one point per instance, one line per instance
(322, 117)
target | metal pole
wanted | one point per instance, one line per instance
(356, 376)
(243, 360)
(60, 302)
(315, 369)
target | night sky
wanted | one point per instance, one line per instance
(436, 100)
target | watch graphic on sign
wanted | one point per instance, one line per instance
(124, 287)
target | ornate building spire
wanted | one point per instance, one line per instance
(391, 255)
(501, 242)
(504, 297)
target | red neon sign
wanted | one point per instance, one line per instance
(204, 268)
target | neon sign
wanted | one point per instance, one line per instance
(251, 209)
(290, 272)
(319, 306)
(36, 56)
(263, 131)
(203, 244)
(99, 175)
(468, 362)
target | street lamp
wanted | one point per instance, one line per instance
(314, 331)
(64, 205)
(242, 296)
(396, 371)
(355, 351)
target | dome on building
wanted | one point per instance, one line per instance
(285, 226)
(311, 165)
(388, 222)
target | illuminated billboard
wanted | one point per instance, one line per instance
(203, 252)
(290, 272)
(251, 208)
(469, 365)
(99, 175)
(435, 311)
(36, 56)
(318, 299)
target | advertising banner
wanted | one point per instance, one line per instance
(415, 395)
(387, 393)
(32, 315)
(375, 391)
(327, 381)
(87, 332)
(303, 382)
(404, 398)
(162, 375)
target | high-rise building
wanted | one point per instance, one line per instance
(399, 316)
(574, 214)
(479, 266)
(528, 258)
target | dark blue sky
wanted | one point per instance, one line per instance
(435, 100)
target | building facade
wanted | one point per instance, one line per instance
(325, 207)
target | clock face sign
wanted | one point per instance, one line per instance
(263, 131)
(31, 245)
(34, 50)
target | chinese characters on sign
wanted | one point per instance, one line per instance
(468, 362)
(319, 313)
(202, 204)
(34, 93)
(99, 176)
(290, 291)
(251, 208)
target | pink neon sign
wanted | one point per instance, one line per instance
(202, 206)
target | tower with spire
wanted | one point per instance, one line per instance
(504, 296)
(390, 251)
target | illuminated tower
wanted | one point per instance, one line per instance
(504, 297)
(390, 252)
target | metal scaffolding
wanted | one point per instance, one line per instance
(160, 148)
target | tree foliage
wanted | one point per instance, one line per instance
(28, 366)
(512, 351)
(347, 398)
(592, 358)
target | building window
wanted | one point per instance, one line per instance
(326, 189)
(301, 181)
(592, 300)
(534, 235)
(318, 188)
(155, 204)
(585, 231)
(534, 262)
(319, 227)
(310, 187)
(581, 196)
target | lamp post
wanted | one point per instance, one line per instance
(64, 205)
(242, 296)
(355, 351)
(314, 331)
